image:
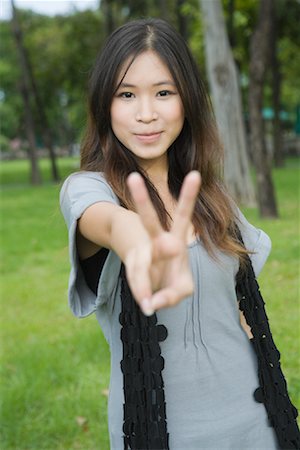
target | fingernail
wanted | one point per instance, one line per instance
(146, 307)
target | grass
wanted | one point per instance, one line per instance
(280, 280)
(55, 369)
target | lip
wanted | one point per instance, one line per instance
(148, 137)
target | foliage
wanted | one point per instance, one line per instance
(244, 19)
(10, 101)
(62, 50)
(4, 143)
(55, 368)
(290, 58)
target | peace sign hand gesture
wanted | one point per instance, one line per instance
(158, 270)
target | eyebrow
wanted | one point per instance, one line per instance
(160, 83)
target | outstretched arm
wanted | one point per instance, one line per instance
(156, 261)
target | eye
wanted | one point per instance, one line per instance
(164, 93)
(125, 95)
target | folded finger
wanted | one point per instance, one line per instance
(169, 296)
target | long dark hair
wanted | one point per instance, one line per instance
(196, 148)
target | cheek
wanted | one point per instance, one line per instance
(117, 118)
(114, 112)
(178, 119)
(176, 114)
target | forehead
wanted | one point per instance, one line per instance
(148, 66)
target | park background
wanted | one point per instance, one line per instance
(55, 368)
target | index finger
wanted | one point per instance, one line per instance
(143, 204)
(186, 204)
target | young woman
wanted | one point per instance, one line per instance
(155, 256)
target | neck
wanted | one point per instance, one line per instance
(157, 172)
(160, 181)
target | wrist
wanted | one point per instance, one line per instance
(127, 234)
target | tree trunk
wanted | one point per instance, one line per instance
(278, 155)
(45, 130)
(164, 9)
(138, 8)
(259, 59)
(230, 23)
(182, 20)
(226, 99)
(25, 92)
(107, 7)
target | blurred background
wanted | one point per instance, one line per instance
(55, 369)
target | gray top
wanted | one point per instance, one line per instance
(210, 369)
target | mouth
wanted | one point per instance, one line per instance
(148, 137)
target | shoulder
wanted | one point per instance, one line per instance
(256, 241)
(84, 179)
(84, 182)
(251, 233)
(82, 189)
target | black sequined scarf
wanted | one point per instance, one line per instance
(273, 388)
(145, 422)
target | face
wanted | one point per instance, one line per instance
(147, 113)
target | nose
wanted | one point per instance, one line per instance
(146, 112)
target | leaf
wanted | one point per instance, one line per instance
(105, 392)
(82, 422)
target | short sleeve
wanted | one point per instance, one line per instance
(79, 191)
(256, 241)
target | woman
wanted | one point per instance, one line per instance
(155, 255)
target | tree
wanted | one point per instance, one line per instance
(276, 90)
(164, 9)
(62, 51)
(11, 103)
(224, 85)
(25, 92)
(44, 125)
(33, 92)
(182, 19)
(230, 23)
(108, 12)
(260, 45)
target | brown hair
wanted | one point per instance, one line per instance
(196, 148)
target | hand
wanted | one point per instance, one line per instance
(157, 269)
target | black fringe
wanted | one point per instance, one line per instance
(145, 423)
(273, 392)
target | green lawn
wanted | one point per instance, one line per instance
(55, 369)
